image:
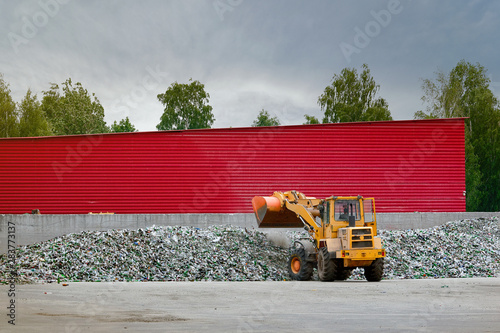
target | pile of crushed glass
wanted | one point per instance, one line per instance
(458, 249)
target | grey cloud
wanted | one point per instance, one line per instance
(277, 55)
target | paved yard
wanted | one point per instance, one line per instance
(442, 305)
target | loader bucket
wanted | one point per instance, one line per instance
(270, 214)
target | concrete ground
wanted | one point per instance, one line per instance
(442, 305)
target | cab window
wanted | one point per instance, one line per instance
(345, 208)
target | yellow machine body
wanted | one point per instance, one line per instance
(345, 226)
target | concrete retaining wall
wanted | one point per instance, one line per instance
(29, 229)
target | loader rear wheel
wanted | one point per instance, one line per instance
(298, 268)
(374, 272)
(327, 267)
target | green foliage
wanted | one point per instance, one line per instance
(73, 110)
(465, 92)
(123, 126)
(186, 107)
(265, 119)
(9, 126)
(422, 115)
(352, 97)
(310, 120)
(473, 178)
(32, 121)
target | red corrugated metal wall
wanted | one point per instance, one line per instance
(406, 165)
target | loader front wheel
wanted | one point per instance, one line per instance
(327, 267)
(374, 272)
(298, 268)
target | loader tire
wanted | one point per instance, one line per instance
(374, 272)
(327, 267)
(298, 268)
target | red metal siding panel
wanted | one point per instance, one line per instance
(406, 165)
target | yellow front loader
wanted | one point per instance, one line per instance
(342, 230)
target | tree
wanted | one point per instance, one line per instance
(123, 126)
(465, 92)
(353, 98)
(186, 107)
(73, 110)
(265, 119)
(32, 121)
(310, 120)
(8, 112)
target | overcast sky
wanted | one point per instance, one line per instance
(250, 54)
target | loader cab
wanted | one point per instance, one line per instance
(347, 210)
(353, 212)
(350, 211)
(344, 212)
